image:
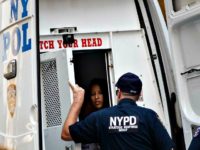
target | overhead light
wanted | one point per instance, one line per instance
(68, 38)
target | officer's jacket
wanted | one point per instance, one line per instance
(125, 126)
(195, 143)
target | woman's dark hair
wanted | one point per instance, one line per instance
(103, 86)
(87, 106)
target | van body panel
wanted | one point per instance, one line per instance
(183, 24)
(131, 36)
(19, 95)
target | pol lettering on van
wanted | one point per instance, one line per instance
(16, 37)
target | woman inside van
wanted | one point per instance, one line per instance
(97, 96)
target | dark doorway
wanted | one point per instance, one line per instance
(89, 65)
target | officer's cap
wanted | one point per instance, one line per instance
(129, 83)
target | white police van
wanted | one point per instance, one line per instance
(44, 44)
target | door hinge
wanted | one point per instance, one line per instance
(71, 60)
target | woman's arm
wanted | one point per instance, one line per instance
(78, 98)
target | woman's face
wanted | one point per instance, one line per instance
(96, 96)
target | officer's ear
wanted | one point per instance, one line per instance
(119, 94)
(140, 96)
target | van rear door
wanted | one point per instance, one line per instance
(184, 28)
(55, 97)
(19, 75)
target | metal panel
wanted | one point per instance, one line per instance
(194, 90)
(88, 15)
(188, 35)
(182, 4)
(19, 126)
(130, 54)
(55, 98)
(183, 23)
(51, 93)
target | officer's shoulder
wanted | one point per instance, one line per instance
(104, 110)
(147, 110)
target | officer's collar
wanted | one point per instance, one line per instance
(127, 101)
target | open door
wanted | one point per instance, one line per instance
(183, 24)
(56, 99)
(19, 80)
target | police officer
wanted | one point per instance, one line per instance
(195, 143)
(125, 126)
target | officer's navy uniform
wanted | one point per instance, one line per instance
(125, 126)
(195, 144)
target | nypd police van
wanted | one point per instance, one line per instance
(44, 44)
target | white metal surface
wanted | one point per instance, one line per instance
(17, 33)
(184, 37)
(56, 98)
(88, 15)
(162, 37)
(130, 54)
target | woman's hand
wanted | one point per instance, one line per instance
(78, 94)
